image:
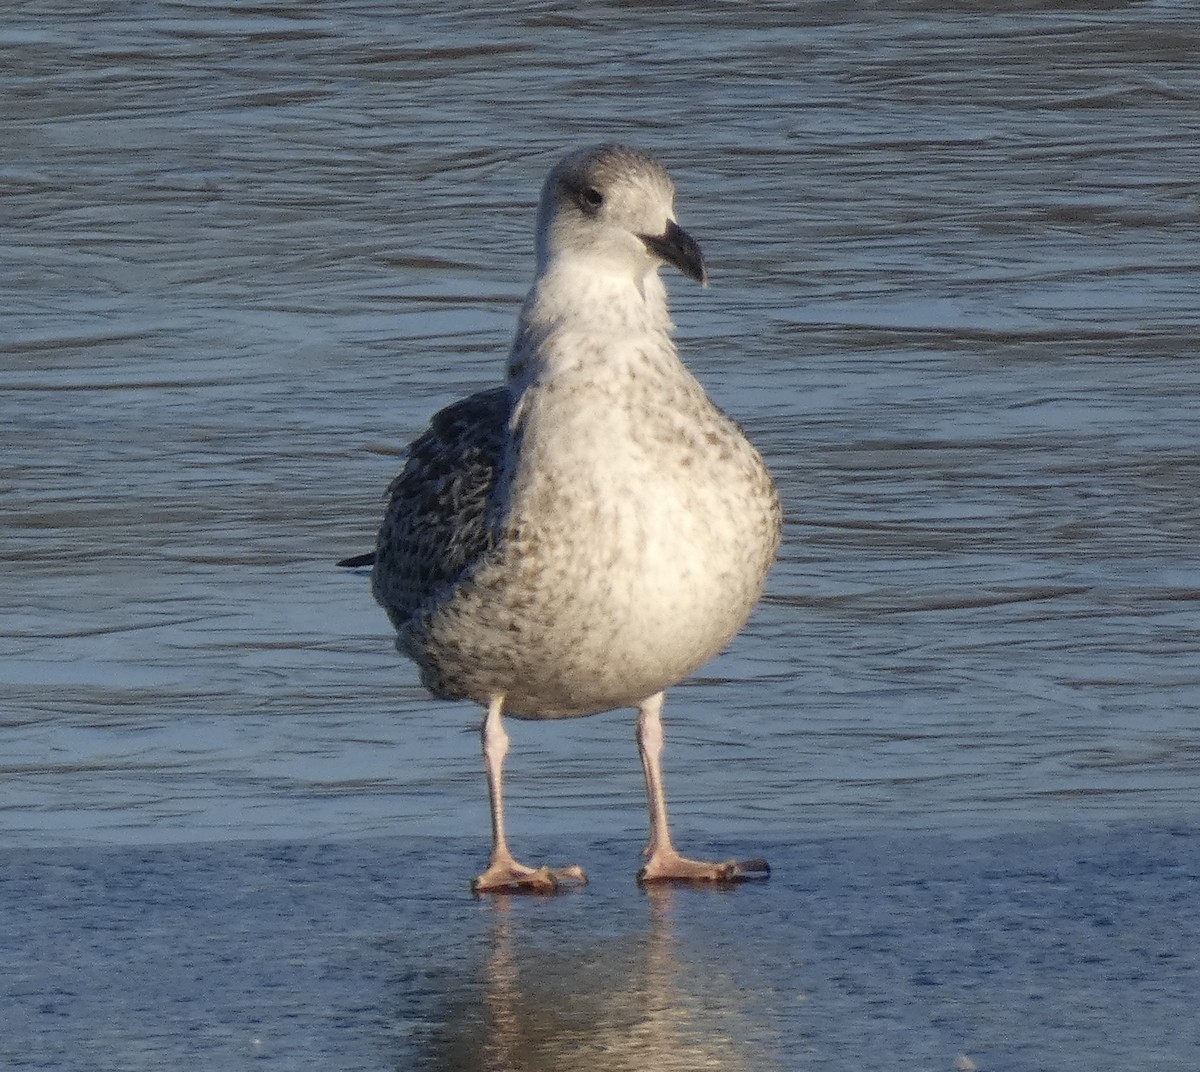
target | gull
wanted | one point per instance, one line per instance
(589, 533)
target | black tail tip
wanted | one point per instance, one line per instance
(355, 561)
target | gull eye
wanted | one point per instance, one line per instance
(590, 199)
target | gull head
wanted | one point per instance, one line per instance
(611, 208)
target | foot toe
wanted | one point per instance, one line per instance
(746, 870)
(573, 875)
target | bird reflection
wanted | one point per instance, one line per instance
(632, 1002)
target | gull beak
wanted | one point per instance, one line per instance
(675, 246)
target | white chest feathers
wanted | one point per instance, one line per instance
(638, 531)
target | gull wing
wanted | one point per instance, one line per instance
(437, 521)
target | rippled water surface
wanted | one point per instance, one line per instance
(247, 249)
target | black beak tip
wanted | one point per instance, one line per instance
(675, 246)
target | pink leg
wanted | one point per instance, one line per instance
(664, 864)
(503, 872)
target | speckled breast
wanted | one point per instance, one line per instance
(632, 555)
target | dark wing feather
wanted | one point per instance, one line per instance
(437, 518)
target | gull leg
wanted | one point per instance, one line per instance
(503, 873)
(664, 864)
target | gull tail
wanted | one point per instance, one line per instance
(355, 561)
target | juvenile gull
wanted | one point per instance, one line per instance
(590, 533)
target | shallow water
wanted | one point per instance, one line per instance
(247, 251)
(1073, 951)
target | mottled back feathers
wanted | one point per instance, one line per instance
(437, 521)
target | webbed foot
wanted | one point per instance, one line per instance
(669, 866)
(508, 876)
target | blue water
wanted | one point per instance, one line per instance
(247, 250)
(1073, 951)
